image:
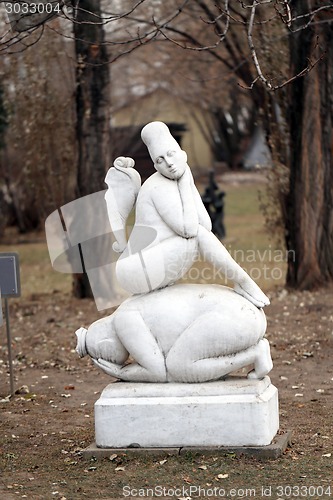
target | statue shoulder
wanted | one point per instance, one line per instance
(156, 184)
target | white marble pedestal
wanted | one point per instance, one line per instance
(232, 412)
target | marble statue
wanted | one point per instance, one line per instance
(173, 332)
(181, 333)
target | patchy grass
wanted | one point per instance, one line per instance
(247, 240)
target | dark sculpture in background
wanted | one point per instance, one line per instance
(213, 199)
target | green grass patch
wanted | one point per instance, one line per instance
(248, 241)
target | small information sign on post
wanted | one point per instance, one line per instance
(1, 317)
(10, 275)
(9, 287)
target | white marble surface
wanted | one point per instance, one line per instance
(227, 413)
(123, 183)
(230, 385)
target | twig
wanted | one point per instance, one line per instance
(252, 48)
(310, 15)
(287, 14)
(303, 72)
(224, 12)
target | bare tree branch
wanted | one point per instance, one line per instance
(303, 72)
(286, 15)
(252, 48)
(224, 15)
(310, 15)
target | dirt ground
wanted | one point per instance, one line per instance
(48, 422)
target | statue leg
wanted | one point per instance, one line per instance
(214, 251)
(208, 350)
(156, 266)
(149, 362)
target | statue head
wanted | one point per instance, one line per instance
(101, 341)
(168, 157)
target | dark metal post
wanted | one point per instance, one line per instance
(9, 343)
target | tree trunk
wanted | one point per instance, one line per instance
(93, 109)
(309, 222)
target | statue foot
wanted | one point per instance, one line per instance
(81, 347)
(252, 292)
(263, 361)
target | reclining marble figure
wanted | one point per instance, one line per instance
(173, 332)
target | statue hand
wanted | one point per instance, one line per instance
(252, 293)
(191, 218)
(111, 369)
(187, 177)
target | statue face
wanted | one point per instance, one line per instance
(171, 163)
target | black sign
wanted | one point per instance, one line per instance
(9, 275)
(1, 317)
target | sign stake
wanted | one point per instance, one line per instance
(9, 287)
(9, 343)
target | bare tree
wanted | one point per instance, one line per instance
(92, 98)
(38, 155)
(92, 108)
(309, 212)
(280, 51)
(3, 127)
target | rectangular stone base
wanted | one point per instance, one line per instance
(232, 412)
(270, 452)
